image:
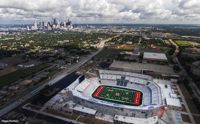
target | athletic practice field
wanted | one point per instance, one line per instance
(118, 95)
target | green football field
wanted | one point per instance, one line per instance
(118, 95)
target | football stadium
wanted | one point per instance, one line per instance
(119, 93)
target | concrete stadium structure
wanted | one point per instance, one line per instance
(152, 102)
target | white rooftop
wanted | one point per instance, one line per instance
(168, 93)
(173, 102)
(137, 67)
(82, 86)
(134, 120)
(142, 76)
(155, 56)
(84, 109)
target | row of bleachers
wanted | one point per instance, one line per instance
(146, 99)
(144, 89)
(146, 96)
(109, 76)
(115, 77)
(151, 95)
(154, 94)
(108, 72)
(135, 86)
(152, 86)
(108, 82)
(86, 87)
(137, 80)
(90, 89)
(155, 99)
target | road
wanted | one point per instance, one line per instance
(194, 87)
(72, 69)
(55, 79)
(24, 91)
(186, 106)
(191, 82)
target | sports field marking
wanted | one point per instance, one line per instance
(137, 98)
(98, 91)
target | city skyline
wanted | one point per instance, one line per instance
(104, 11)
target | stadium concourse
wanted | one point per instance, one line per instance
(117, 96)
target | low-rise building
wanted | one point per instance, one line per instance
(155, 58)
(154, 70)
(84, 110)
(130, 56)
(118, 119)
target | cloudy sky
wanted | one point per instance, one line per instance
(101, 11)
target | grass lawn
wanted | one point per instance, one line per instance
(53, 71)
(109, 53)
(12, 60)
(21, 73)
(183, 43)
(118, 95)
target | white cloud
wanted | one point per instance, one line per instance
(163, 11)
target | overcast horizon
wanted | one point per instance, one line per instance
(101, 11)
